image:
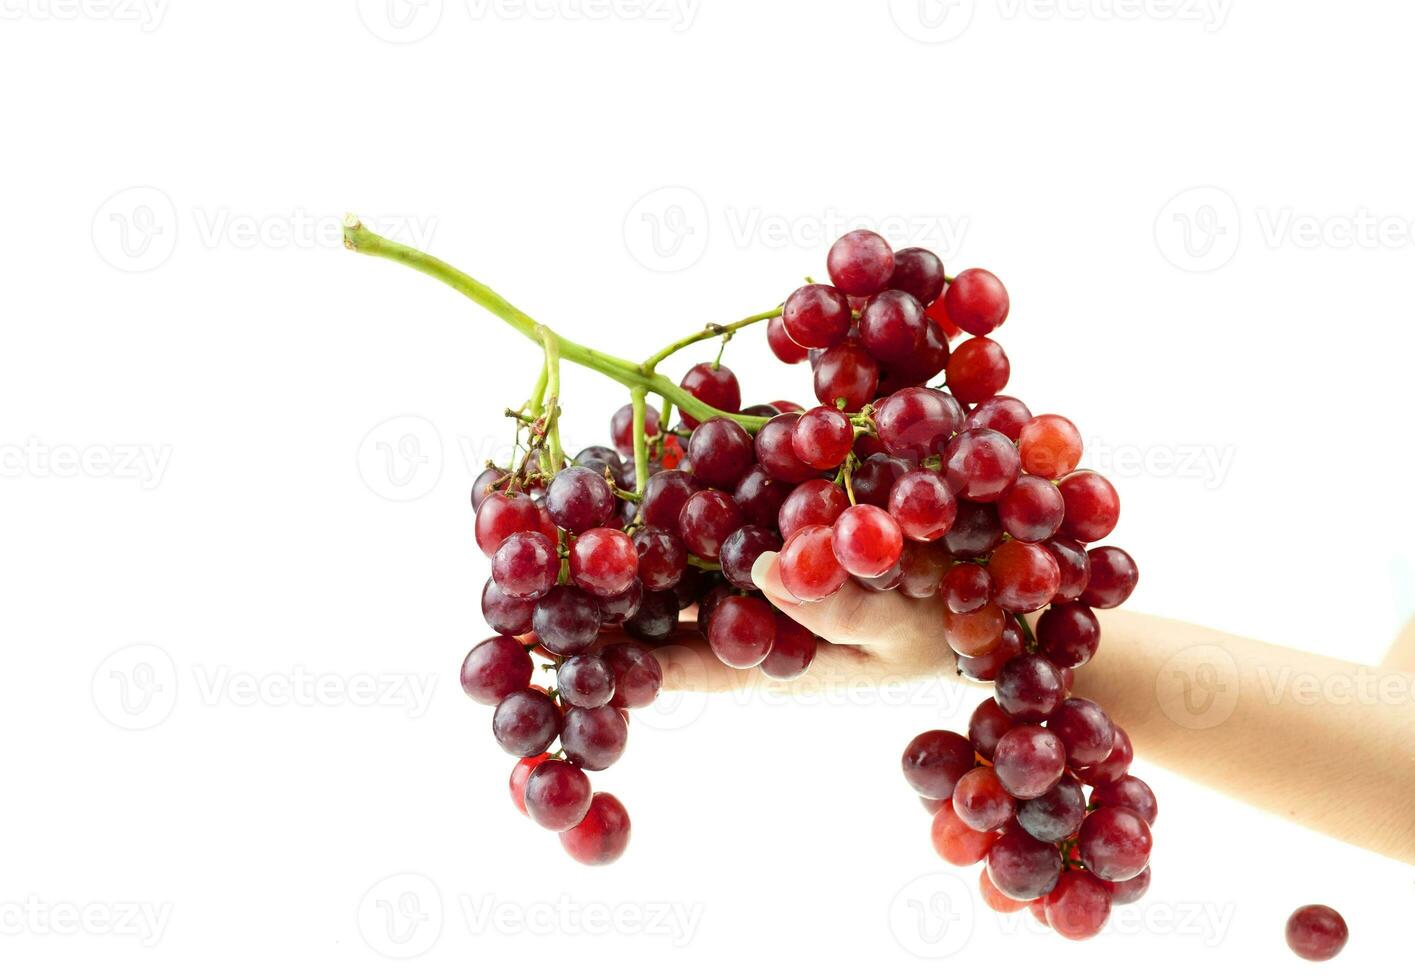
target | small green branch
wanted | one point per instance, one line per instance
(357, 238)
(707, 333)
(639, 398)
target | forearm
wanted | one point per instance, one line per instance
(1324, 742)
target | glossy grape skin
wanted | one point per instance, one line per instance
(823, 437)
(977, 370)
(934, 761)
(525, 722)
(792, 649)
(929, 359)
(874, 481)
(717, 386)
(1114, 843)
(1029, 760)
(637, 675)
(594, 738)
(980, 800)
(1032, 509)
(816, 316)
(602, 460)
(720, 452)
(976, 531)
(1113, 577)
(505, 615)
(1074, 565)
(742, 549)
(579, 499)
(1115, 766)
(655, 619)
(760, 496)
(1068, 634)
(995, 899)
(741, 630)
(1092, 506)
(662, 558)
(988, 724)
(1025, 576)
(1002, 413)
(776, 453)
(557, 795)
(980, 465)
(604, 562)
(708, 518)
(1029, 688)
(1056, 815)
(1022, 867)
(974, 634)
(1085, 729)
(915, 423)
(520, 774)
(1131, 792)
(488, 480)
(664, 496)
(621, 429)
(846, 377)
(918, 272)
(860, 263)
(892, 326)
(502, 515)
(808, 566)
(867, 541)
(1079, 906)
(977, 302)
(921, 569)
(585, 681)
(956, 842)
(923, 505)
(987, 666)
(603, 836)
(787, 351)
(1050, 446)
(1131, 890)
(616, 609)
(966, 588)
(815, 502)
(1316, 932)
(566, 621)
(495, 668)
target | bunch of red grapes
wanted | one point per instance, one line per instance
(955, 495)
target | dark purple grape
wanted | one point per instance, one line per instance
(594, 738)
(585, 681)
(579, 499)
(742, 549)
(495, 668)
(567, 620)
(525, 722)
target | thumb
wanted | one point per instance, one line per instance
(854, 616)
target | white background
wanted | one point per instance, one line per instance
(312, 420)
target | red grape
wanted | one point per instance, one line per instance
(1029, 688)
(1029, 760)
(974, 634)
(1115, 765)
(919, 273)
(1131, 792)
(977, 370)
(1002, 413)
(557, 795)
(966, 588)
(809, 568)
(980, 800)
(1069, 634)
(716, 386)
(1050, 446)
(980, 464)
(867, 540)
(1316, 932)
(708, 518)
(567, 620)
(741, 630)
(1085, 729)
(792, 650)
(988, 724)
(995, 899)
(1025, 576)
(664, 496)
(1079, 906)
(495, 668)
(525, 722)
(923, 505)
(621, 429)
(742, 549)
(1113, 577)
(874, 481)
(585, 681)
(892, 326)
(720, 452)
(822, 437)
(502, 515)
(520, 773)
(976, 301)
(1022, 867)
(1092, 506)
(787, 351)
(976, 531)
(603, 836)
(760, 496)
(504, 614)
(594, 738)
(662, 558)
(955, 841)
(1114, 843)
(860, 263)
(816, 316)
(915, 423)
(934, 761)
(1074, 565)
(604, 562)
(1032, 509)
(813, 502)
(776, 453)
(846, 376)
(637, 675)
(1057, 814)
